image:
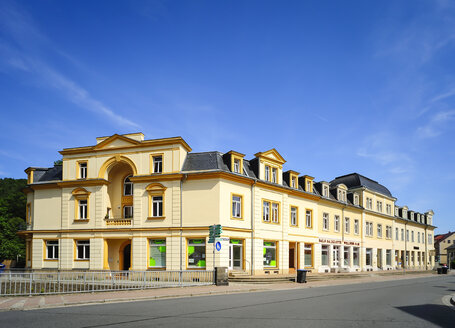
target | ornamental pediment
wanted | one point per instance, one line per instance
(116, 141)
(272, 155)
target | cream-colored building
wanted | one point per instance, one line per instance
(127, 203)
(441, 243)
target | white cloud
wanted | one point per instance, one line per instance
(436, 125)
(22, 52)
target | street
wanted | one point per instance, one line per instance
(400, 303)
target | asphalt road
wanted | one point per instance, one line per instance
(401, 303)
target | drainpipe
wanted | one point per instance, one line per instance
(252, 226)
(426, 248)
(405, 246)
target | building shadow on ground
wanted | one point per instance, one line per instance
(440, 315)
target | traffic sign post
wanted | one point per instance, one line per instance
(215, 232)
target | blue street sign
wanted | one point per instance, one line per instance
(218, 246)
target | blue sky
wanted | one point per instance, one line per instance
(335, 86)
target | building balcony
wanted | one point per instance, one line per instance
(118, 221)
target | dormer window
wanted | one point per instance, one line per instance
(294, 182)
(308, 186)
(267, 173)
(308, 183)
(236, 165)
(412, 216)
(405, 214)
(396, 211)
(341, 195)
(274, 175)
(325, 191)
(356, 199)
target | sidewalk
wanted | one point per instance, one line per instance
(52, 301)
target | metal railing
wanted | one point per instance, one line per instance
(61, 282)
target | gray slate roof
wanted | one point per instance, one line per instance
(47, 174)
(355, 180)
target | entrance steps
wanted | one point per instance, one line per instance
(245, 277)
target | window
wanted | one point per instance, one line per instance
(275, 213)
(407, 235)
(388, 257)
(127, 212)
(157, 206)
(157, 253)
(83, 205)
(430, 239)
(388, 209)
(82, 249)
(379, 206)
(346, 257)
(82, 170)
(325, 221)
(369, 256)
(269, 252)
(236, 206)
(267, 173)
(388, 232)
(294, 211)
(418, 237)
(347, 225)
(294, 182)
(28, 213)
(405, 213)
(266, 211)
(274, 175)
(52, 249)
(369, 229)
(412, 236)
(356, 226)
(236, 165)
(196, 253)
(158, 164)
(127, 186)
(379, 230)
(308, 259)
(325, 191)
(396, 234)
(402, 234)
(308, 186)
(341, 195)
(369, 203)
(355, 256)
(336, 222)
(309, 218)
(356, 199)
(324, 255)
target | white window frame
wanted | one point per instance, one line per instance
(83, 209)
(347, 225)
(157, 164)
(275, 213)
(336, 223)
(356, 226)
(308, 218)
(236, 206)
(266, 211)
(127, 215)
(379, 228)
(83, 170)
(236, 165)
(267, 173)
(294, 211)
(127, 182)
(325, 221)
(157, 206)
(274, 175)
(54, 245)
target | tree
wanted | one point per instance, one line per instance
(12, 218)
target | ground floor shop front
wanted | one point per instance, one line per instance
(191, 251)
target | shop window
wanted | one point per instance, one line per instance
(269, 251)
(52, 249)
(294, 213)
(346, 256)
(324, 255)
(388, 257)
(157, 253)
(355, 256)
(82, 249)
(369, 256)
(308, 259)
(196, 253)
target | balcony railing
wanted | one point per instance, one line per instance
(118, 221)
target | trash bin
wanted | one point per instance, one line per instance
(444, 269)
(439, 270)
(301, 276)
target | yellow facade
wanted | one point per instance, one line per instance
(135, 204)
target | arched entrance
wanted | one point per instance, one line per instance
(125, 256)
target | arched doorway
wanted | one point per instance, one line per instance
(125, 256)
